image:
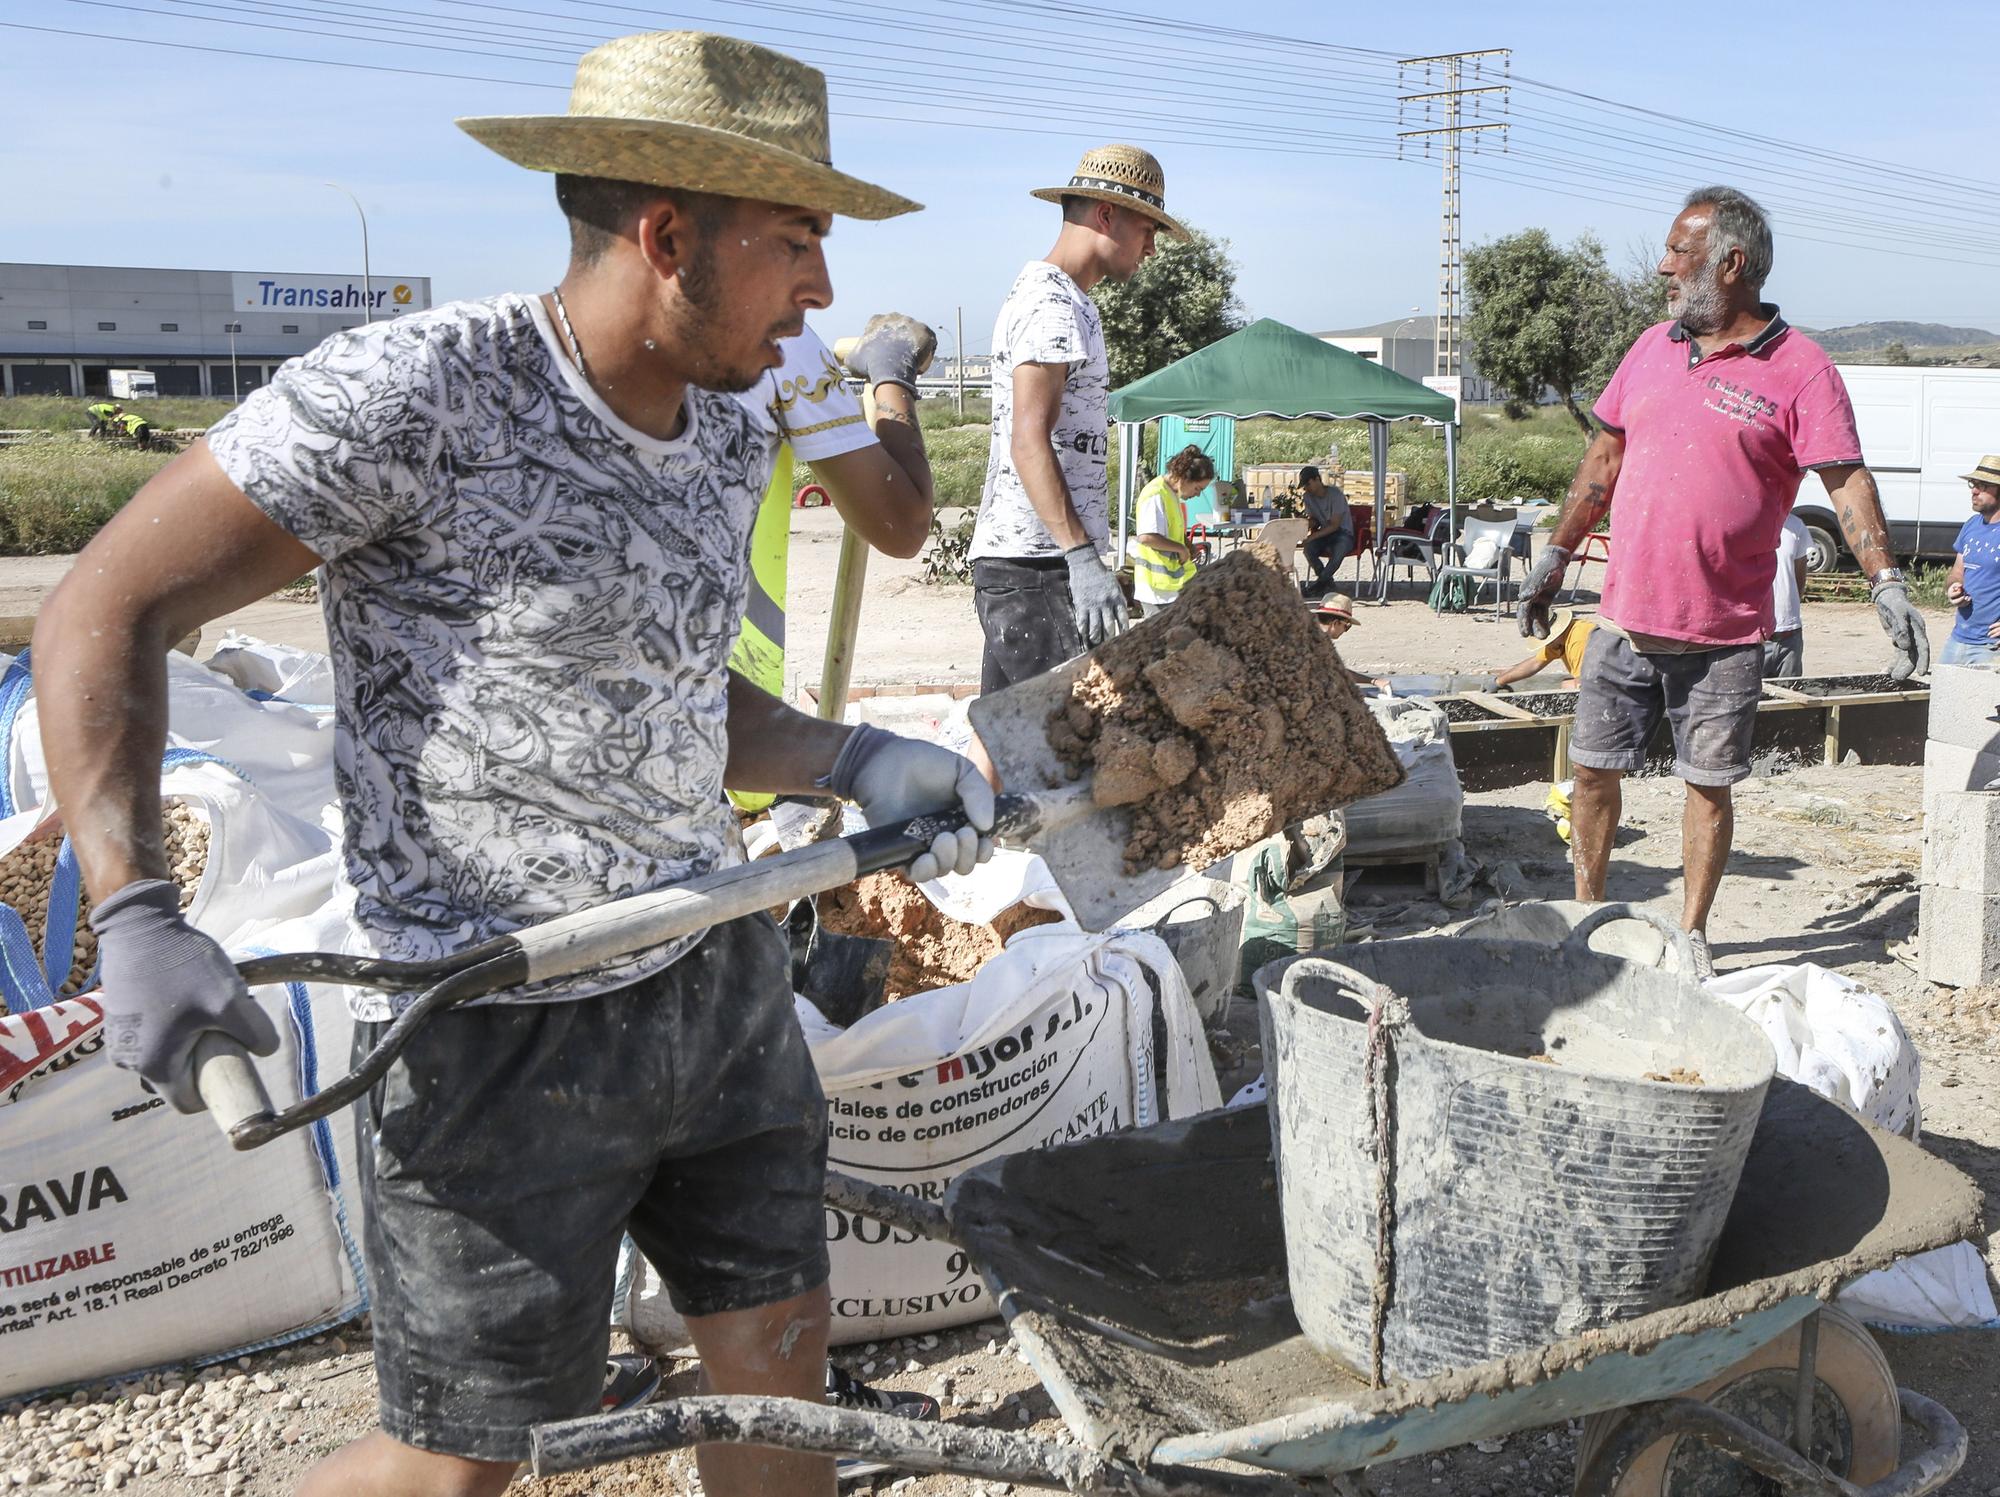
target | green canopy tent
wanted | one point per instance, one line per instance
(1269, 369)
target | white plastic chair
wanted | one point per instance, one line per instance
(1489, 535)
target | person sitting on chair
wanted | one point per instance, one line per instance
(1331, 539)
(1568, 634)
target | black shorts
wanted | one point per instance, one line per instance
(1709, 697)
(1025, 611)
(512, 1145)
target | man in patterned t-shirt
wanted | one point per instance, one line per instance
(532, 517)
(1042, 589)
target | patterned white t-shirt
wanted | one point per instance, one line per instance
(1046, 319)
(805, 401)
(529, 605)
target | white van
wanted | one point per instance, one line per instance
(133, 384)
(1920, 429)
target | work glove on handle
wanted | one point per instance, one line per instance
(893, 350)
(892, 778)
(165, 984)
(1905, 628)
(1095, 600)
(1539, 589)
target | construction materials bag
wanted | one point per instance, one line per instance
(1425, 812)
(1064, 1035)
(1292, 884)
(136, 1237)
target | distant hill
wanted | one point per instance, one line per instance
(1861, 337)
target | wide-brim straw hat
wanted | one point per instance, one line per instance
(693, 110)
(1988, 470)
(1559, 621)
(1124, 175)
(1337, 606)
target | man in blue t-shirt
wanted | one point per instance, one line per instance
(1975, 576)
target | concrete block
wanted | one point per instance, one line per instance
(1962, 841)
(1948, 768)
(1965, 708)
(1958, 936)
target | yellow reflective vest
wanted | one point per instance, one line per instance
(759, 656)
(1156, 576)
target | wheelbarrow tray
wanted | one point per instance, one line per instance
(1143, 1274)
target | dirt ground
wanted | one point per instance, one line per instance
(915, 633)
(1823, 871)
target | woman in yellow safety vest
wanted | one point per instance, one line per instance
(1161, 560)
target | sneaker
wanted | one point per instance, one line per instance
(1704, 964)
(629, 1380)
(846, 1391)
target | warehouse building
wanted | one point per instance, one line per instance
(220, 333)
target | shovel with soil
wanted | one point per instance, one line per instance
(1203, 730)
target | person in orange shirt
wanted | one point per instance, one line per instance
(1568, 634)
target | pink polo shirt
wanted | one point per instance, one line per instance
(1714, 453)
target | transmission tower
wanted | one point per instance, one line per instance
(1452, 99)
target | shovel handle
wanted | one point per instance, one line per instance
(229, 1085)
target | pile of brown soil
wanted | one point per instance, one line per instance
(1221, 719)
(932, 949)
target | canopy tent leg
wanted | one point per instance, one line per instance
(1131, 436)
(1378, 459)
(1451, 475)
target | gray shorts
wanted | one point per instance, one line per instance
(1709, 697)
(511, 1147)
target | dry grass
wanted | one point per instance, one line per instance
(56, 494)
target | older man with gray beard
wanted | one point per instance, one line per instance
(1708, 427)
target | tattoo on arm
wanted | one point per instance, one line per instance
(907, 418)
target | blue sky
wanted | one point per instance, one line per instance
(124, 153)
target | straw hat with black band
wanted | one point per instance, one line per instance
(1988, 471)
(697, 111)
(1124, 175)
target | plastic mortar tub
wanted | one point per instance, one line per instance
(1542, 1181)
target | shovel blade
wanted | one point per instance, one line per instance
(1086, 853)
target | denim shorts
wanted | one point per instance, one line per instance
(512, 1145)
(1709, 697)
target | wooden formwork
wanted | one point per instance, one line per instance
(1510, 745)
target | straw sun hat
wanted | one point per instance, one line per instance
(1124, 175)
(692, 110)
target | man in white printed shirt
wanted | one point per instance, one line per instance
(1039, 579)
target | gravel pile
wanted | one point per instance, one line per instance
(27, 872)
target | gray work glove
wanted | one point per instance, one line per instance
(892, 778)
(165, 983)
(893, 350)
(1905, 628)
(1095, 601)
(1539, 589)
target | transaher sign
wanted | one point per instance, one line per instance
(384, 296)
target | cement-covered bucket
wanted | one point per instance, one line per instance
(1563, 1132)
(1201, 920)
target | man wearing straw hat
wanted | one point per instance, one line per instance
(1039, 579)
(533, 517)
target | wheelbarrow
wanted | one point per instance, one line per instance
(1143, 1276)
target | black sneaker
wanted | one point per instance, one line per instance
(846, 1391)
(629, 1380)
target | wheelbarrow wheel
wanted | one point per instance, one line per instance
(1857, 1432)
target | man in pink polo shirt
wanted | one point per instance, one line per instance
(1709, 425)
